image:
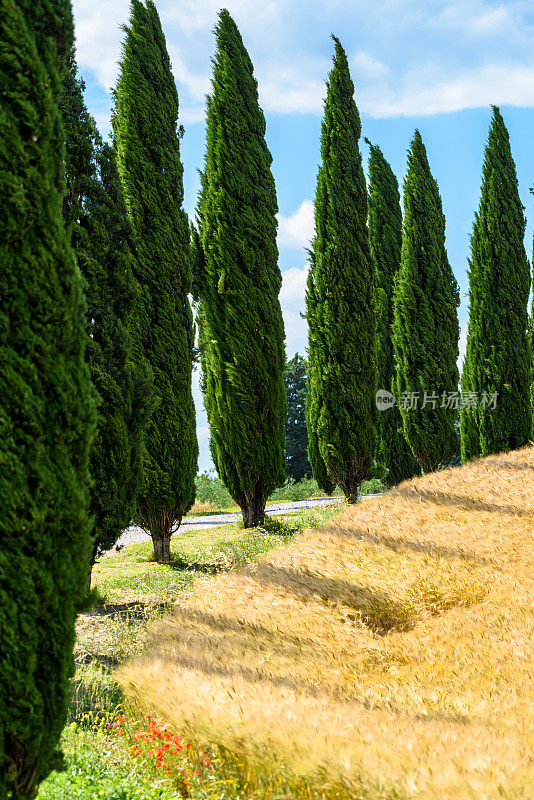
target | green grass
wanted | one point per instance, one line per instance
(212, 497)
(133, 591)
(98, 767)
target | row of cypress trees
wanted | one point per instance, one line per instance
(382, 306)
(130, 235)
(101, 386)
(96, 334)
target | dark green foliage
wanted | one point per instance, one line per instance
(498, 348)
(297, 464)
(148, 158)
(101, 237)
(341, 412)
(47, 408)
(385, 234)
(241, 326)
(425, 322)
(531, 345)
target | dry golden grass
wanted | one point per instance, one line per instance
(200, 507)
(387, 655)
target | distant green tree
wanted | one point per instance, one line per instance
(148, 158)
(47, 404)
(297, 464)
(498, 353)
(340, 411)
(425, 320)
(385, 233)
(240, 319)
(101, 237)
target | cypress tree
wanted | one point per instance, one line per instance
(148, 159)
(101, 237)
(425, 320)
(297, 463)
(498, 349)
(47, 407)
(385, 233)
(341, 412)
(241, 326)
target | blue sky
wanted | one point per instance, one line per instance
(436, 65)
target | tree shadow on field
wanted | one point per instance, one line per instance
(132, 610)
(217, 645)
(377, 610)
(397, 543)
(503, 465)
(459, 501)
(231, 625)
(208, 567)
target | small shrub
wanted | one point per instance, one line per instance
(210, 489)
(292, 491)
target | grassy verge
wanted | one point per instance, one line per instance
(135, 592)
(213, 497)
(386, 655)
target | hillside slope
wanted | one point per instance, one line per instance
(388, 655)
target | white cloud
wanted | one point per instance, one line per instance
(293, 290)
(286, 94)
(504, 84)
(198, 85)
(296, 333)
(367, 65)
(204, 455)
(418, 59)
(295, 84)
(103, 122)
(462, 344)
(297, 230)
(493, 20)
(98, 37)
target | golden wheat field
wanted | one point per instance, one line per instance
(388, 655)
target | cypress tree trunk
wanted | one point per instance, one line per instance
(341, 412)
(252, 506)
(148, 159)
(425, 320)
(385, 233)
(498, 351)
(240, 320)
(47, 406)
(161, 539)
(95, 211)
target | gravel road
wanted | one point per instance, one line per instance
(134, 534)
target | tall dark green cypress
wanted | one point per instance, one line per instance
(148, 158)
(341, 412)
(385, 234)
(425, 320)
(47, 408)
(498, 349)
(101, 237)
(241, 326)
